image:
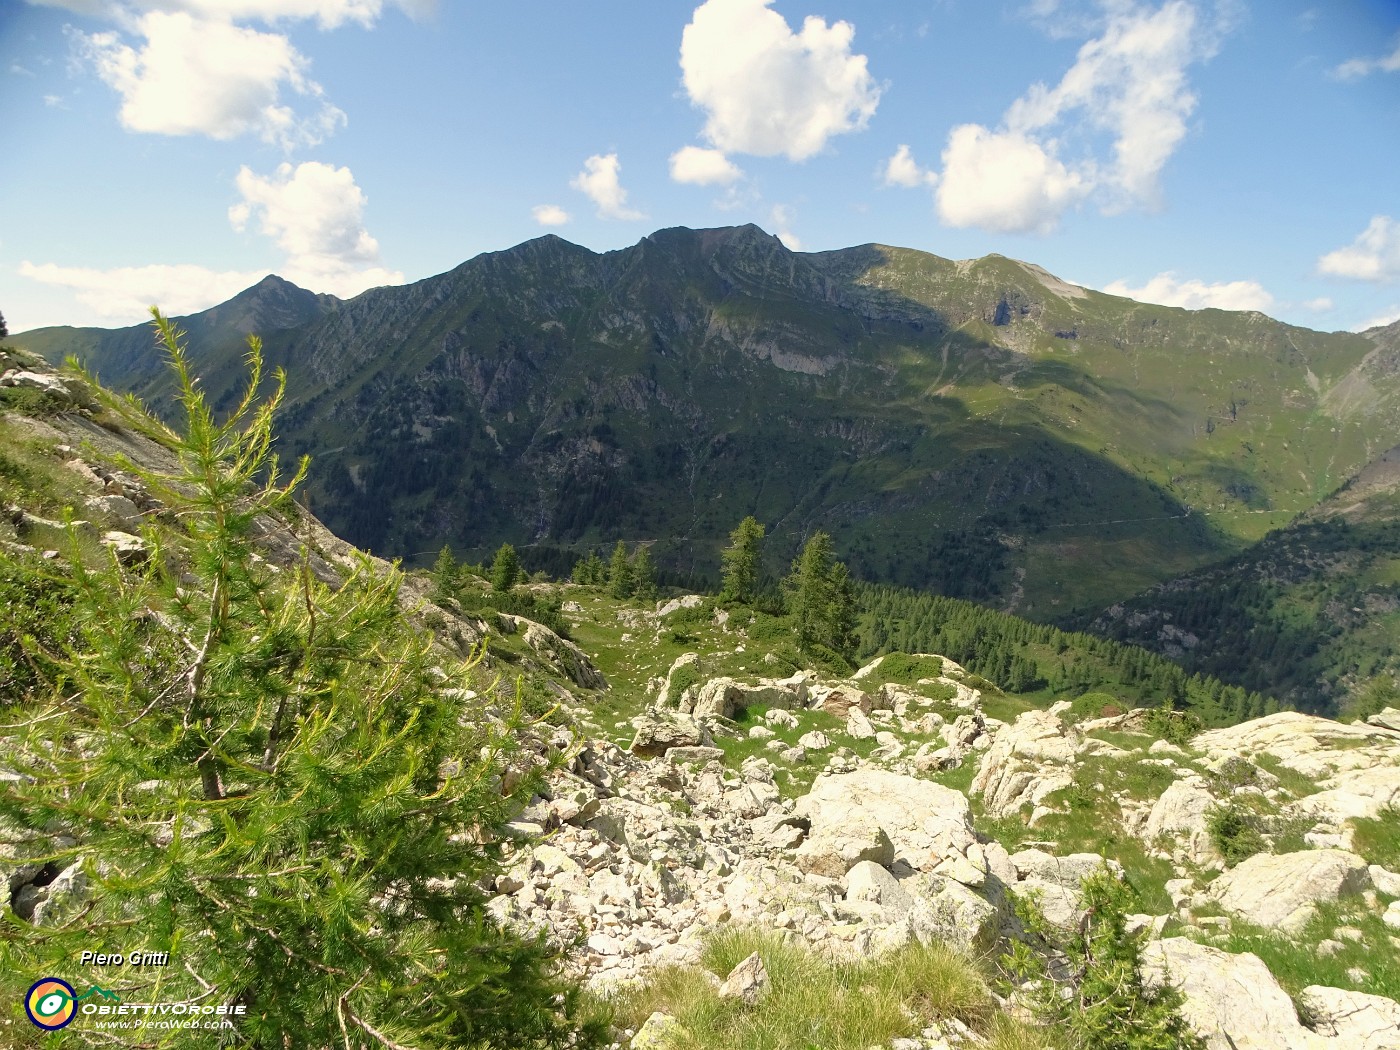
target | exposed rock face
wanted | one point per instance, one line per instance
(1361, 1022)
(929, 826)
(1027, 761)
(722, 697)
(842, 699)
(656, 736)
(1180, 817)
(870, 883)
(1232, 1001)
(1282, 891)
(686, 667)
(566, 655)
(1318, 748)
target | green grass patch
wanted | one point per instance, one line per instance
(814, 1001)
(1290, 780)
(1296, 963)
(1378, 838)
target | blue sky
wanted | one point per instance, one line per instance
(1192, 152)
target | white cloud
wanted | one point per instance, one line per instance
(125, 294)
(1355, 68)
(1380, 320)
(599, 182)
(902, 170)
(329, 14)
(195, 77)
(549, 215)
(1005, 181)
(769, 91)
(1166, 290)
(315, 213)
(703, 167)
(1129, 83)
(782, 217)
(1373, 256)
(1319, 305)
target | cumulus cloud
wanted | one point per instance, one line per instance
(782, 217)
(549, 215)
(125, 294)
(1373, 256)
(599, 182)
(902, 170)
(1005, 181)
(197, 77)
(1128, 83)
(703, 167)
(315, 214)
(1319, 305)
(1380, 320)
(1166, 290)
(768, 91)
(1355, 68)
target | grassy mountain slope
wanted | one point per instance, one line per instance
(979, 426)
(1311, 613)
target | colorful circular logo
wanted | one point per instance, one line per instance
(51, 1004)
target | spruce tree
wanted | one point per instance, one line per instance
(4, 331)
(809, 590)
(505, 569)
(739, 562)
(445, 573)
(620, 572)
(275, 781)
(580, 573)
(643, 574)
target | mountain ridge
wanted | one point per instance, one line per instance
(979, 426)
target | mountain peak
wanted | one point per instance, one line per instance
(274, 303)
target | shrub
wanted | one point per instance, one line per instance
(1173, 726)
(1098, 999)
(1235, 832)
(1094, 705)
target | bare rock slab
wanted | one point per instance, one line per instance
(1282, 891)
(1356, 1020)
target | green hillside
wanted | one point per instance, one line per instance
(1311, 613)
(976, 427)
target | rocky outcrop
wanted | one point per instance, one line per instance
(1352, 1019)
(1179, 820)
(657, 735)
(1282, 891)
(1054, 883)
(724, 697)
(1232, 1001)
(929, 826)
(565, 655)
(1027, 762)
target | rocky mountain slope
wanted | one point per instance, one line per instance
(710, 786)
(981, 426)
(867, 813)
